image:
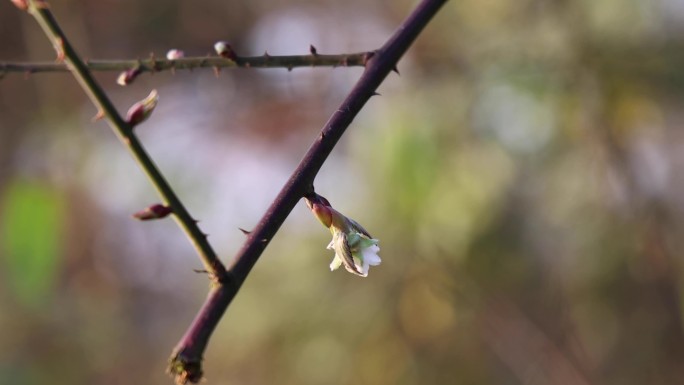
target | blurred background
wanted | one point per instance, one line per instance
(521, 175)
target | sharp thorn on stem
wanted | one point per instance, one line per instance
(246, 232)
(100, 114)
(313, 50)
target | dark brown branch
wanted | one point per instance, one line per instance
(187, 357)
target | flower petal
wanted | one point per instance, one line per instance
(344, 253)
(336, 263)
(370, 255)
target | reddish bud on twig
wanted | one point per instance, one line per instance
(155, 211)
(24, 4)
(224, 49)
(142, 110)
(21, 4)
(125, 78)
(175, 54)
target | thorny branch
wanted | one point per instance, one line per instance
(41, 12)
(153, 64)
(186, 361)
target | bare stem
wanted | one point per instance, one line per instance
(186, 360)
(153, 64)
(40, 11)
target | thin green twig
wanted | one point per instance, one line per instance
(153, 64)
(42, 14)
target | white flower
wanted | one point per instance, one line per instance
(354, 247)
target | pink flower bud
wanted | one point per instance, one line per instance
(142, 110)
(175, 54)
(224, 49)
(155, 211)
(21, 4)
(125, 78)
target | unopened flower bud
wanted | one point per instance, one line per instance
(155, 211)
(175, 54)
(142, 110)
(125, 78)
(21, 4)
(224, 49)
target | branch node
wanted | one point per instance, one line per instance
(184, 369)
(100, 114)
(366, 57)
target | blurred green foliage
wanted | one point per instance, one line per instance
(32, 240)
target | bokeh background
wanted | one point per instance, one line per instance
(523, 175)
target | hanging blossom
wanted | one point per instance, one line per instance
(353, 245)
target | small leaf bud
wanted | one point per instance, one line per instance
(175, 54)
(125, 78)
(155, 211)
(142, 110)
(224, 49)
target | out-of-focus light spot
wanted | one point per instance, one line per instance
(519, 120)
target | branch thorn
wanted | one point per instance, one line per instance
(313, 50)
(59, 47)
(100, 114)
(246, 232)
